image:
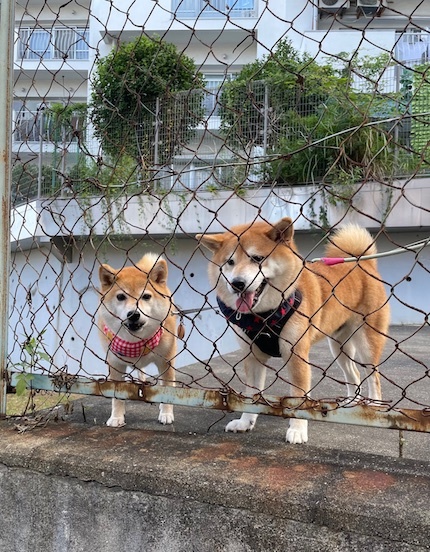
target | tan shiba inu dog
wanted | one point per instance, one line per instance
(137, 326)
(280, 306)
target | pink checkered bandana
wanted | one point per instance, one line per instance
(129, 349)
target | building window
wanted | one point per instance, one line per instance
(54, 43)
(214, 9)
(212, 93)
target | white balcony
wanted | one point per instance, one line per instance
(413, 47)
(324, 45)
(216, 9)
(36, 133)
(53, 43)
(178, 22)
(52, 49)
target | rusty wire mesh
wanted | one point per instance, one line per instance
(270, 119)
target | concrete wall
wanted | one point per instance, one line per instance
(47, 513)
(75, 487)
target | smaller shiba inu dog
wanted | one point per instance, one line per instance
(137, 326)
(280, 306)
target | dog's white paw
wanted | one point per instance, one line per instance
(239, 426)
(166, 418)
(116, 422)
(297, 433)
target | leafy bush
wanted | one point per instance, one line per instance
(124, 110)
(314, 122)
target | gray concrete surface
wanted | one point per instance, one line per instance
(77, 485)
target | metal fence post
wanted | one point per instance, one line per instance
(40, 160)
(7, 21)
(156, 133)
(266, 118)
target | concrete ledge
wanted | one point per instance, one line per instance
(76, 486)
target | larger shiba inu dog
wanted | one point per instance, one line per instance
(279, 306)
(137, 326)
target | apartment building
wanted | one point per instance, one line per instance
(223, 36)
(52, 66)
(56, 46)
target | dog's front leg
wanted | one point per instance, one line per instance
(167, 377)
(255, 378)
(299, 373)
(117, 417)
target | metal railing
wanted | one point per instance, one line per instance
(413, 48)
(57, 43)
(217, 9)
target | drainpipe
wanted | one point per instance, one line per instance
(7, 24)
(315, 16)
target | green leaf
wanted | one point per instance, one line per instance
(21, 387)
(23, 382)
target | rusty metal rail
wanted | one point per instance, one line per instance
(382, 415)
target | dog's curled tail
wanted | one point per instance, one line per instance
(350, 241)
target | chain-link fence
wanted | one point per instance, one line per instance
(136, 128)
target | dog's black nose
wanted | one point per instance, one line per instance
(238, 284)
(133, 316)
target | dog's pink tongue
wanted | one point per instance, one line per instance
(244, 302)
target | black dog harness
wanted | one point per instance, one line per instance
(264, 328)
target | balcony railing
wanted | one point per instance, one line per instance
(213, 9)
(28, 127)
(69, 43)
(413, 48)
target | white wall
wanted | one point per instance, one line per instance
(324, 45)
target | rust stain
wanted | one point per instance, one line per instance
(265, 472)
(280, 477)
(225, 451)
(367, 481)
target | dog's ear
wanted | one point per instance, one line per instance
(282, 231)
(213, 242)
(158, 272)
(107, 276)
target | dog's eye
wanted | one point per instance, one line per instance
(146, 296)
(257, 258)
(230, 262)
(121, 297)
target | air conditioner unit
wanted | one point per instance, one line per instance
(371, 6)
(333, 5)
